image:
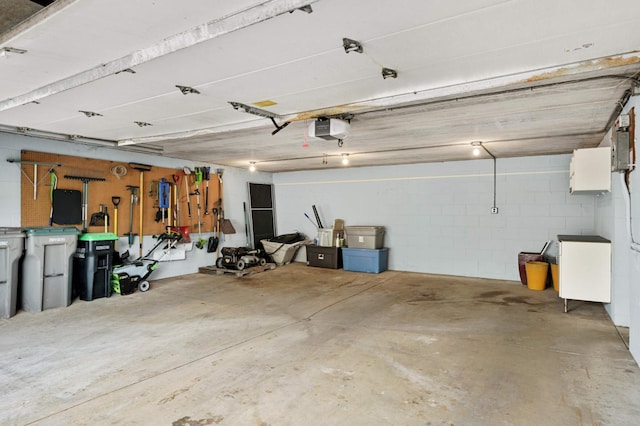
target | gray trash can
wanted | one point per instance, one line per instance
(11, 247)
(47, 267)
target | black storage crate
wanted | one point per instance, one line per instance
(324, 257)
(93, 265)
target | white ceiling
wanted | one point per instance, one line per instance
(524, 77)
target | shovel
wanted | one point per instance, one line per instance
(212, 245)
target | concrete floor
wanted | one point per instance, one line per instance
(308, 346)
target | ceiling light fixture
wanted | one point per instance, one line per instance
(476, 149)
(91, 114)
(345, 159)
(252, 166)
(389, 73)
(186, 90)
(351, 45)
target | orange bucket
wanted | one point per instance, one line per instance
(537, 275)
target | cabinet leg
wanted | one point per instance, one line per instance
(565, 306)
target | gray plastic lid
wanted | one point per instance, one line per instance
(11, 232)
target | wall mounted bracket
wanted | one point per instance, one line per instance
(35, 180)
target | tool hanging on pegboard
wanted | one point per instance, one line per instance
(163, 194)
(206, 176)
(176, 199)
(134, 201)
(198, 181)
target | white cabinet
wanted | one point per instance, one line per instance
(590, 170)
(584, 268)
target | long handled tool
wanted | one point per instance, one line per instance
(187, 172)
(214, 240)
(141, 168)
(206, 175)
(176, 198)
(85, 195)
(134, 201)
(315, 212)
(218, 213)
(54, 185)
(198, 181)
(116, 203)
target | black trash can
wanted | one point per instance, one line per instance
(93, 265)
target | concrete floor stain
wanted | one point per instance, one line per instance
(187, 421)
(425, 297)
(488, 294)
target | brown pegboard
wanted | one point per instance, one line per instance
(36, 212)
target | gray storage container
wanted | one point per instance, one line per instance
(47, 267)
(366, 237)
(11, 247)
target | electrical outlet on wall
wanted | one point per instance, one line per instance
(494, 210)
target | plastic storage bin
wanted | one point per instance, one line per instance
(324, 257)
(11, 247)
(47, 267)
(280, 252)
(327, 237)
(92, 265)
(365, 260)
(365, 237)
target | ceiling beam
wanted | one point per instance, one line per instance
(242, 19)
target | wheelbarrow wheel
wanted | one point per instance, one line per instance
(263, 261)
(143, 285)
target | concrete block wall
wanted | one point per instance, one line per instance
(437, 215)
(616, 215)
(612, 223)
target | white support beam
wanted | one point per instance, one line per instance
(205, 32)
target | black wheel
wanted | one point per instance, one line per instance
(220, 263)
(144, 285)
(240, 265)
(263, 261)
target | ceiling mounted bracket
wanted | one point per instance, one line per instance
(306, 8)
(186, 90)
(278, 128)
(351, 45)
(91, 114)
(127, 70)
(389, 73)
(6, 50)
(260, 113)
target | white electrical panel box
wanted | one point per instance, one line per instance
(590, 170)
